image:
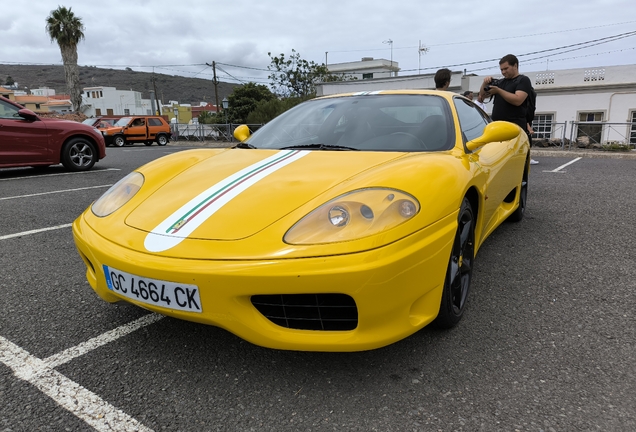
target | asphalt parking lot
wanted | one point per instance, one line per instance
(548, 342)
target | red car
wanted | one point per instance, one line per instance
(29, 140)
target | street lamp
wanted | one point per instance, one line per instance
(390, 42)
(225, 103)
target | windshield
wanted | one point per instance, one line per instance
(89, 121)
(123, 121)
(387, 122)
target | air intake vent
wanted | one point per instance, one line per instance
(328, 312)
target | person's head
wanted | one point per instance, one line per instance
(509, 66)
(442, 79)
(469, 94)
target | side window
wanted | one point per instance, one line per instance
(7, 110)
(154, 122)
(471, 120)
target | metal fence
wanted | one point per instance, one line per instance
(603, 134)
(206, 132)
(590, 135)
(549, 134)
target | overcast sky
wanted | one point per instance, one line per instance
(180, 37)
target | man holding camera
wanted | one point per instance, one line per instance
(510, 93)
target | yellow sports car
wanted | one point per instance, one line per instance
(347, 223)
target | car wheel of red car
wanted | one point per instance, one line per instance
(119, 141)
(162, 140)
(78, 154)
(460, 269)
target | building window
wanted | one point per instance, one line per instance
(101, 94)
(632, 130)
(98, 112)
(594, 75)
(126, 111)
(367, 76)
(542, 126)
(592, 131)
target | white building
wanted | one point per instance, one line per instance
(99, 101)
(367, 68)
(45, 91)
(596, 102)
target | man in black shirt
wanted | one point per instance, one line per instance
(510, 93)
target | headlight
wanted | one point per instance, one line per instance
(354, 215)
(118, 195)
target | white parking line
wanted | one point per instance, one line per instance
(563, 166)
(60, 174)
(96, 342)
(25, 233)
(71, 396)
(53, 192)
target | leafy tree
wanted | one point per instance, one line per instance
(9, 81)
(297, 77)
(266, 110)
(244, 99)
(67, 30)
(207, 117)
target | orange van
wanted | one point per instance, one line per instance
(132, 129)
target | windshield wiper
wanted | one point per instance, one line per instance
(319, 146)
(244, 145)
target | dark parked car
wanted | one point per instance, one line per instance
(27, 139)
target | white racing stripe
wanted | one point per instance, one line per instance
(76, 399)
(36, 231)
(54, 192)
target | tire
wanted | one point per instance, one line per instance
(119, 141)
(78, 154)
(162, 140)
(148, 143)
(460, 269)
(518, 214)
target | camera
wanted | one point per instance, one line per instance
(493, 83)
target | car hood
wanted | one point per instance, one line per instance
(238, 193)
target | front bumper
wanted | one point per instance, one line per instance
(397, 288)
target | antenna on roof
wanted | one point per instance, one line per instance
(421, 50)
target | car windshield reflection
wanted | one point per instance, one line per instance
(123, 121)
(404, 123)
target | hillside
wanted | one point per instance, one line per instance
(169, 87)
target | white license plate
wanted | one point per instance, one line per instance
(156, 292)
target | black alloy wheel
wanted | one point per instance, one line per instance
(460, 269)
(78, 154)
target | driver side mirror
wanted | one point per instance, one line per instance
(242, 133)
(27, 114)
(495, 132)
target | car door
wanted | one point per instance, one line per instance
(154, 127)
(136, 130)
(491, 159)
(22, 140)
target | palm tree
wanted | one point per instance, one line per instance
(67, 30)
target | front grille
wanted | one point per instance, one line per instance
(330, 312)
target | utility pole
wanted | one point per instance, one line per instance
(215, 81)
(154, 86)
